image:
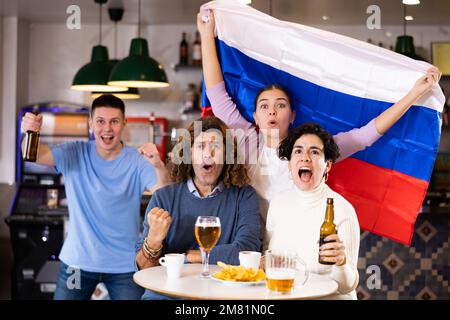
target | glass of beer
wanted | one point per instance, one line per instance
(207, 233)
(284, 269)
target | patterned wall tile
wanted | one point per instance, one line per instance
(420, 271)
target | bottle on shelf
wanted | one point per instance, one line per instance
(197, 51)
(184, 51)
(191, 100)
(31, 146)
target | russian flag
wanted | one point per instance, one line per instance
(340, 83)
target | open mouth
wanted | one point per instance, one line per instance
(272, 124)
(208, 168)
(107, 139)
(305, 174)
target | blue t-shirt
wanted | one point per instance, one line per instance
(104, 199)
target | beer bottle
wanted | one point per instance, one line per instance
(328, 228)
(184, 51)
(31, 143)
(197, 51)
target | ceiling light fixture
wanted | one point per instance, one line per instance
(405, 43)
(411, 2)
(139, 70)
(94, 75)
(116, 14)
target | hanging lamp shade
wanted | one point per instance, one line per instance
(138, 70)
(130, 94)
(405, 46)
(94, 75)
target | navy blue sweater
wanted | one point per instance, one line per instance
(237, 208)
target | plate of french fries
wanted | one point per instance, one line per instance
(240, 275)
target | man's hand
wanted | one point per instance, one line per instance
(151, 154)
(194, 256)
(31, 122)
(159, 221)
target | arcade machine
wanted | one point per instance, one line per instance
(38, 214)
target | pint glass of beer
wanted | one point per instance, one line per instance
(207, 233)
(284, 269)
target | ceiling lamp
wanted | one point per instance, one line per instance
(116, 14)
(139, 69)
(94, 75)
(411, 2)
(405, 44)
(130, 94)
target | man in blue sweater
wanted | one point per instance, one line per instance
(207, 186)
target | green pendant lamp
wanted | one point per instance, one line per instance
(405, 44)
(94, 75)
(139, 70)
(129, 94)
(116, 14)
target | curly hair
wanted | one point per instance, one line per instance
(330, 147)
(233, 173)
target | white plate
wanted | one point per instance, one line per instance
(239, 283)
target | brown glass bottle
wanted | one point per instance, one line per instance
(328, 228)
(197, 50)
(184, 54)
(30, 149)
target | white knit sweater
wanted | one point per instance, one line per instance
(293, 223)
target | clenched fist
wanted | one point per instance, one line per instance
(151, 154)
(159, 222)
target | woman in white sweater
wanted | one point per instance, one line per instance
(295, 217)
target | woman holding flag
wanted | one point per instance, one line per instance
(273, 115)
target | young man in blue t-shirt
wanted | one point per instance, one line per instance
(104, 181)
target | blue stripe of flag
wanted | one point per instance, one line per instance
(409, 147)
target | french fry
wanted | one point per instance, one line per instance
(238, 273)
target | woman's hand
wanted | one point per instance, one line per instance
(426, 82)
(206, 29)
(159, 222)
(333, 251)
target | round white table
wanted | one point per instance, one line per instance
(191, 286)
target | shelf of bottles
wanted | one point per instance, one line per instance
(189, 60)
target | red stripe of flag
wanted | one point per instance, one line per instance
(392, 210)
(207, 112)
